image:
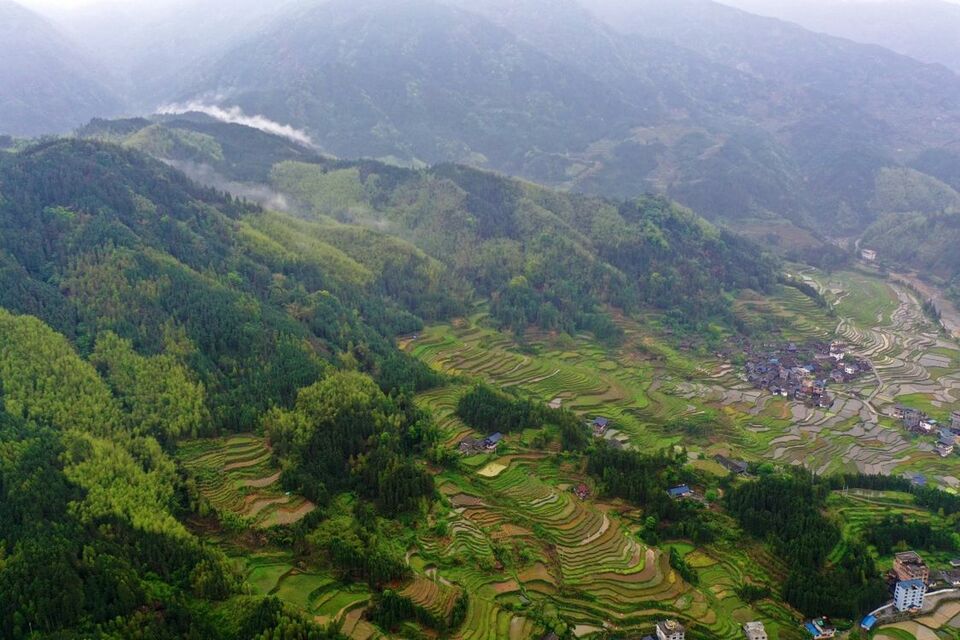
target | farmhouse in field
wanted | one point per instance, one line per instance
(868, 622)
(582, 491)
(469, 446)
(670, 630)
(869, 255)
(908, 595)
(908, 565)
(733, 466)
(493, 441)
(820, 629)
(946, 443)
(600, 426)
(755, 631)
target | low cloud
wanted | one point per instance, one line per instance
(235, 115)
(208, 176)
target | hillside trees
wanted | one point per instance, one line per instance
(157, 392)
(344, 433)
(787, 511)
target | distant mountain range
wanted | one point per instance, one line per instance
(792, 134)
(47, 85)
(928, 30)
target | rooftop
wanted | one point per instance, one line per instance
(670, 626)
(676, 492)
(911, 584)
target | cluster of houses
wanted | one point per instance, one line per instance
(803, 372)
(471, 446)
(908, 581)
(917, 421)
(673, 630)
(909, 578)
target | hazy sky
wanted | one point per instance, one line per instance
(51, 4)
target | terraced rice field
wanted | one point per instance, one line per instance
(645, 384)
(236, 476)
(625, 385)
(581, 558)
(314, 593)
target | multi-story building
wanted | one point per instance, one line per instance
(908, 565)
(670, 630)
(908, 595)
(755, 631)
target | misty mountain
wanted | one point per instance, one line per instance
(928, 30)
(154, 48)
(735, 115)
(416, 81)
(47, 84)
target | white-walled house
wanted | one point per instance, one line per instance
(908, 595)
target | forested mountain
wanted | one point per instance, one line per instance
(926, 30)
(47, 85)
(543, 257)
(698, 101)
(926, 243)
(138, 309)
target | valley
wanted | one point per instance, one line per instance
(511, 535)
(645, 384)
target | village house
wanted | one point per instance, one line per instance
(869, 255)
(946, 443)
(683, 491)
(868, 622)
(908, 595)
(493, 441)
(908, 565)
(951, 577)
(955, 418)
(600, 426)
(755, 631)
(670, 630)
(470, 446)
(912, 418)
(820, 629)
(582, 491)
(733, 466)
(917, 479)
